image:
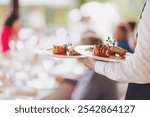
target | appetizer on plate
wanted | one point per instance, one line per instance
(66, 49)
(108, 50)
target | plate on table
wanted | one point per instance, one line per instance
(83, 50)
(49, 52)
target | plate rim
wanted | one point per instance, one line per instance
(96, 57)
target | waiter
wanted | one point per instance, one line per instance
(136, 70)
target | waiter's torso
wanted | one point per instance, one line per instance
(138, 91)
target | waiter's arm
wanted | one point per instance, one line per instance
(137, 68)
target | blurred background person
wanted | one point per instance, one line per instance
(131, 26)
(11, 26)
(121, 36)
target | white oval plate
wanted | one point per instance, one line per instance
(50, 53)
(82, 50)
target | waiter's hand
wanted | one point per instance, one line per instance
(90, 63)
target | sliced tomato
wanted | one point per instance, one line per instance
(59, 50)
(100, 51)
(108, 53)
(104, 51)
(96, 51)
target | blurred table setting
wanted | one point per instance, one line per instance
(27, 73)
